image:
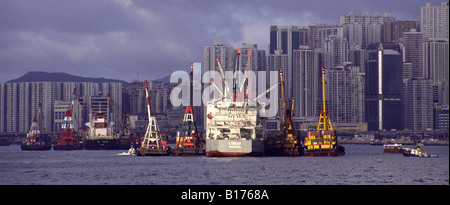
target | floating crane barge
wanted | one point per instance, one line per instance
(189, 141)
(285, 143)
(153, 144)
(323, 142)
(36, 140)
(68, 138)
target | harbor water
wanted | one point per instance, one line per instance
(361, 165)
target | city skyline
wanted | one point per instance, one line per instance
(129, 39)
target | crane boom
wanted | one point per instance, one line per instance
(115, 112)
(324, 119)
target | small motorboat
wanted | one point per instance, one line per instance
(416, 152)
(131, 151)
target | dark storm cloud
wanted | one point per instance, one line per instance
(120, 38)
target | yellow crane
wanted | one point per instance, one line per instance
(324, 119)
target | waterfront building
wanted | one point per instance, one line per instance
(419, 104)
(383, 87)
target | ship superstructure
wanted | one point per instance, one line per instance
(233, 127)
(100, 135)
(323, 142)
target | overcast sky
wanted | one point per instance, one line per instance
(120, 38)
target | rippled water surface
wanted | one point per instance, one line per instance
(362, 164)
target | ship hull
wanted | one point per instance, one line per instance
(35, 147)
(188, 152)
(153, 152)
(339, 151)
(101, 144)
(68, 147)
(125, 145)
(234, 148)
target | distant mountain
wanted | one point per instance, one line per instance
(39, 76)
(163, 79)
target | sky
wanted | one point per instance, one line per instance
(150, 39)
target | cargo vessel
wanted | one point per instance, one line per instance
(153, 142)
(233, 129)
(100, 134)
(322, 142)
(286, 142)
(189, 141)
(233, 126)
(68, 138)
(36, 140)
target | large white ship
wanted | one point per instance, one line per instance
(233, 129)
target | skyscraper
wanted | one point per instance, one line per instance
(434, 20)
(305, 85)
(365, 29)
(384, 87)
(419, 104)
(436, 63)
(345, 91)
(285, 38)
(413, 43)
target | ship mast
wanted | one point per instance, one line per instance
(324, 119)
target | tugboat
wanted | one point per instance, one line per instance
(100, 135)
(323, 142)
(285, 143)
(68, 138)
(189, 141)
(36, 140)
(153, 143)
(417, 152)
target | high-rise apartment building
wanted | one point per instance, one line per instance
(276, 62)
(336, 51)
(413, 45)
(285, 38)
(345, 92)
(393, 30)
(305, 85)
(434, 20)
(365, 29)
(20, 101)
(419, 104)
(436, 55)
